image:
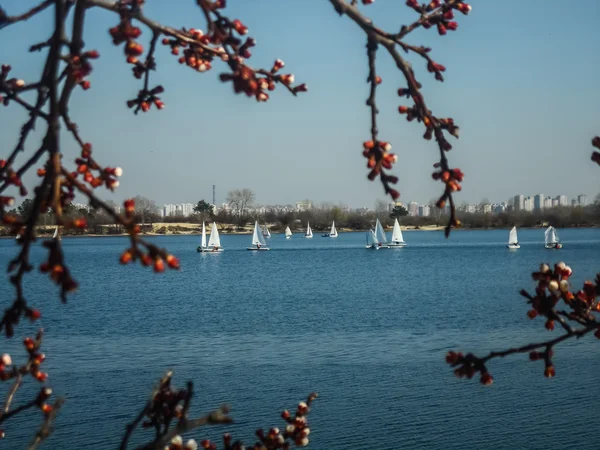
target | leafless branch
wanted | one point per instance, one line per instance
(552, 286)
(6, 20)
(375, 150)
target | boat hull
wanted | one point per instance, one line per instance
(262, 249)
(553, 246)
(376, 247)
(209, 250)
(512, 246)
(397, 244)
(288, 237)
(308, 237)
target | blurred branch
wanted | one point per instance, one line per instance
(6, 20)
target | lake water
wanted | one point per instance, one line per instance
(367, 330)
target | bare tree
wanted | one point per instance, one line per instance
(145, 208)
(240, 200)
(233, 200)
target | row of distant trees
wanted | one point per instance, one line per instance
(242, 212)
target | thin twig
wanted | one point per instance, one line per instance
(372, 52)
(12, 392)
(9, 20)
(148, 66)
(214, 418)
(547, 344)
(47, 426)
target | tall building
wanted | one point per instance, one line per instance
(574, 203)
(528, 204)
(538, 201)
(555, 203)
(424, 210)
(187, 209)
(181, 209)
(519, 202)
(413, 208)
(169, 210)
(563, 200)
(499, 208)
(582, 200)
(548, 202)
(487, 209)
(304, 205)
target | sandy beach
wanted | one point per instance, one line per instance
(182, 228)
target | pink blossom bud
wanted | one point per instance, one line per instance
(564, 285)
(191, 445)
(302, 442)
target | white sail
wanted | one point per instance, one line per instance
(288, 232)
(397, 237)
(512, 237)
(214, 240)
(380, 233)
(266, 232)
(309, 232)
(333, 232)
(203, 242)
(55, 233)
(257, 237)
(551, 235)
(374, 237)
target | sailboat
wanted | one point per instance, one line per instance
(332, 233)
(552, 239)
(397, 239)
(258, 240)
(214, 241)
(380, 234)
(202, 247)
(372, 242)
(513, 242)
(308, 234)
(266, 232)
(288, 233)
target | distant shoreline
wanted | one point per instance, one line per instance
(194, 231)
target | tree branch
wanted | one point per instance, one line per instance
(9, 20)
(47, 425)
(375, 150)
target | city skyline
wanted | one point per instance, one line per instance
(220, 200)
(310, 146)
(518, 202)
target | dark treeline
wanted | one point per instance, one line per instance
(320, 218)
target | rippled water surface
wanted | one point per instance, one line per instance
(368, 330)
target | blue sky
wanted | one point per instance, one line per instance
(521, 81)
